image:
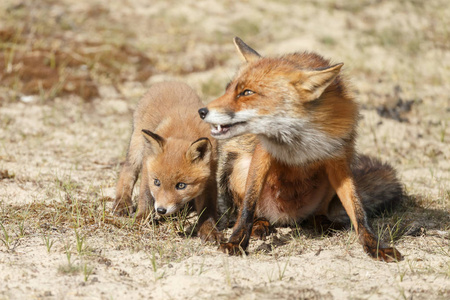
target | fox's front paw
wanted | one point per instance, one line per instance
(231, 248)
(384, 254)
(261, 229)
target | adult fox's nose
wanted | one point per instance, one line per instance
(203, 112)
(161, 210)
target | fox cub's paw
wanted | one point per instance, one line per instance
(143, 214)
(231, 248)
(261, 229)
(209, 233)
(384, 254)
(121, 209)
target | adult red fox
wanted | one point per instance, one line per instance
(289, 126)
(173, 149)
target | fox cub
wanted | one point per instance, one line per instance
(289, 127)
(172, 149)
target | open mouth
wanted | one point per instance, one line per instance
(220, 129)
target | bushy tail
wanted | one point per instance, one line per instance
(377, 185)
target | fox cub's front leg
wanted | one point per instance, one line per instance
(146, 201)
(256, 178)
(123, 204)
(342, 181)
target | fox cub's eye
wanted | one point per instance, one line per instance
(247, 93)
(180, 186)
(157, 182)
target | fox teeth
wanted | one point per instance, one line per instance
(217, 127)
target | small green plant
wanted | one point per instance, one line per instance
(69, 268)
(21, 226)
(68, 253)
(80, 242)
(297, 232)
(87, 271)
(156, 276)
(401, 273)
(6, 239)
(48, 242)
(282, 270)
(396, 231)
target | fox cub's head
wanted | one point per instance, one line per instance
(176, 171)
(267, 94)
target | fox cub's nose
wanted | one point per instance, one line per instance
(161, 210)
(203, 112)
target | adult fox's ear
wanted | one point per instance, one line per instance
(247, 53)
(154, 141)
(311, 84)
(200, 150)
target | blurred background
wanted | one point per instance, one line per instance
(52, 48)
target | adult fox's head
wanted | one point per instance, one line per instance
(177, 171)
(268, 94)
(297, 104)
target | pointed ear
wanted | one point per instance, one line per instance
(154, 141)
(200, 150)
(313, 83)
(247, 53)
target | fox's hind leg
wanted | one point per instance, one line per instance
(342, 181)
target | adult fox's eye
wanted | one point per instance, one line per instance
(157, 182)
(248, 92)
(180, 186)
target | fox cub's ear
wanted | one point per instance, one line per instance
(312, 84)
(155, 141)
(200, 150)
(247, 53)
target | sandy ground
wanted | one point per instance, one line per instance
(61, 146)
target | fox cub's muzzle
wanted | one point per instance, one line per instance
(203, 112)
